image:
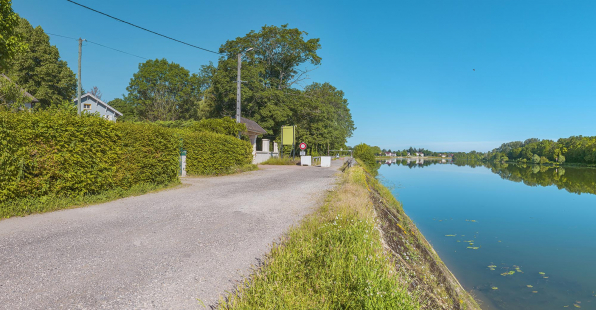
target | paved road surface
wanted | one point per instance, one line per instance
(165, 250)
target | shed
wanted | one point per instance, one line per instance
(252, 130)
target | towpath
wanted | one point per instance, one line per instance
(175, 249)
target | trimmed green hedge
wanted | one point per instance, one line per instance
(211, 153)
(54, 153)
(58, 154)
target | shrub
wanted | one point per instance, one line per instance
(60, 154)
(224, 126)
(150, 154)
(211, 153)
(365, 153)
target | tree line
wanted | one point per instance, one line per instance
(276, 91)
(575, 149)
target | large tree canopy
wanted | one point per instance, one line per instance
(279, 51)
(272, 72)
(39, 70)
(10, 41)
(164, 91)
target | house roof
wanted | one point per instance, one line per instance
(90, 95)
(252, 126)
(33, 99)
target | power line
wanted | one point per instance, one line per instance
(131, 24)
(115, 49)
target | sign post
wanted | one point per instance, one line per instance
(288, 134)
(302, 149)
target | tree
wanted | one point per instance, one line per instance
(163, 90)
(561, 159)
(269, 97)
(126, 107)
(536, 159)
(279, 51)
(11, 42)
(11, 95)
(365, 153)
(96, 92)
(39, 70)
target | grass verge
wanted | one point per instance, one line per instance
(26, 206)
(334, 260)
(280, 161)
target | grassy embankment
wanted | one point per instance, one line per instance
(358, 251)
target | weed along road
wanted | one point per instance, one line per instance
(174, 249)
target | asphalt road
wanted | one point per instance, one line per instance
(175, 249)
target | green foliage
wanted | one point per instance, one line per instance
(272, 70)
(576, 149)
(149, 154)
(39, 70)
(224, 126)
(561, 159)
(334, 260)
(279, 51)
(11, 43)
(211, 153)
(365, 153)
(53, 152)
(12, 96)
(279, 161)
(163, 90)
(536, 159)
(126, 107)
(29, 205)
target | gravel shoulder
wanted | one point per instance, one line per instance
(174, 249)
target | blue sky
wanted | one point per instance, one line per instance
(406, 67)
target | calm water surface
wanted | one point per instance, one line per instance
(536, 223)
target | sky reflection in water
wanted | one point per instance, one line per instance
(517, 218)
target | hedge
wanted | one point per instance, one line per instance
(52, 153)
(211, 153)
(57, 153)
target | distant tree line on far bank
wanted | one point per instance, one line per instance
(575, 150)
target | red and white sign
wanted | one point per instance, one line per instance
(303, 146)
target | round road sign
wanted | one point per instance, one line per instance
(303, 146)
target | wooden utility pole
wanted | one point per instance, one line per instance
(238, 84)
(79, 105)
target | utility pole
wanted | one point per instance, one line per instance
(79, 105)
(238, 85)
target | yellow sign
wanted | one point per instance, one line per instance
(287, 135)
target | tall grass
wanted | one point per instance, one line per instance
(30, 205)
(280, 161)
(334, 260)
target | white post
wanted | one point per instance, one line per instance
(265, 145)
(275, 149)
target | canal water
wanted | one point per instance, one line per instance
(516, 237)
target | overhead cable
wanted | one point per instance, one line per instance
(131, 24)
(115, 49)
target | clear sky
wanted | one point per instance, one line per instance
(406, 67)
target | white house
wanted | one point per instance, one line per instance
(93, 104)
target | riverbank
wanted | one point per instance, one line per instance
(359, 250)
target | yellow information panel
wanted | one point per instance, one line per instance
(287, 135)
